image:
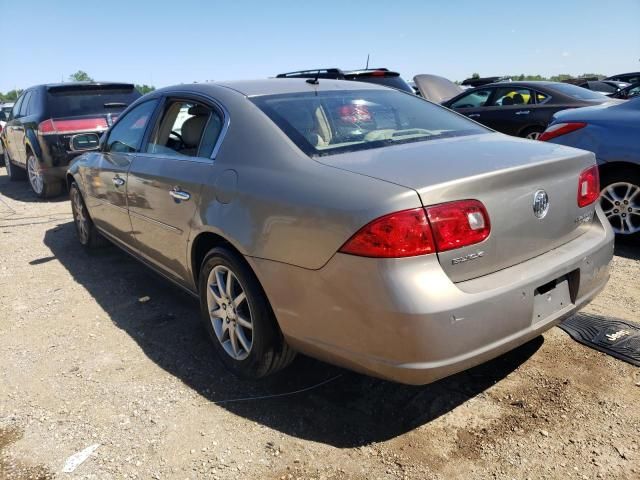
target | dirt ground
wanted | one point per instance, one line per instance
(83, 362)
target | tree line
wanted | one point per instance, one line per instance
(79, 76)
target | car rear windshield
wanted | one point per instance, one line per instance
(578, 92)
(83, 100)
(329, 122)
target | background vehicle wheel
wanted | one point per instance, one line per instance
(41, 186)
(238, 317)
(85, 229)
(13, 172)
(532, 133)
(620, 201)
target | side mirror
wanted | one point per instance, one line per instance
(84, 141)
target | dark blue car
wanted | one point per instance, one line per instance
(612, 132)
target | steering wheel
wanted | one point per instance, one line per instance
(182, 144)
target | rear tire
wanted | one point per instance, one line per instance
(41, 186)
(86, 231)
(532, 133)
(622, 185)
(237, 314)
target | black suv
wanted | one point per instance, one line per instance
(380, 76)
(49, 125)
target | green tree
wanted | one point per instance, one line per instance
(80, 76)
(144, 89)
(10, 96)
(475, 75)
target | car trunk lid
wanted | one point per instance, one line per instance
(436, 89)
(503, 173)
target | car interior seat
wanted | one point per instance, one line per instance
(192, 129)
(507, 101)
(518, 99)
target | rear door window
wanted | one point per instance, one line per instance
(509, 96)
(186, 128)
(84, 100)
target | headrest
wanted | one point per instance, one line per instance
(507, 101)
(192, 130)
(198, 110)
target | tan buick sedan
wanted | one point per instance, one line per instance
(351, 222)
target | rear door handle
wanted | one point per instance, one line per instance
(473, 115)
(117, 181)
(179, 194)
(522, 112)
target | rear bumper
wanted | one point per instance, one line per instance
(406, 321)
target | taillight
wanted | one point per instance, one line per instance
(421, 231)
(54, 127)
(588, 186)
(560, 129)
(458, 224)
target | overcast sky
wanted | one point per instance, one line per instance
(186, 41)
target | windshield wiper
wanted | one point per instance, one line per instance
(114, 104)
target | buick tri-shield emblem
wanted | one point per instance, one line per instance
(540, 203)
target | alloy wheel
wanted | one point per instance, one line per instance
(35, 175)
(79, 217)
(533, 135)
(620, 202)
(230, 312)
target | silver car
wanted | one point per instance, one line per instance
(353, 223)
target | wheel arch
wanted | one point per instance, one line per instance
(532, 126)
(610, 167)
(31, 143)
(202, 244)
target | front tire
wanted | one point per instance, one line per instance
(41, 186)
(620, 201)
(13, 172)
(237, 315)
(86, 231)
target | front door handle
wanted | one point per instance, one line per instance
(473, 115)
(522, 112)
(179, 195)
(117, 181)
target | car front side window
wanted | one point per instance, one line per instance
(127, 134)
(474, 99)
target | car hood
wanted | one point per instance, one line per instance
(436, 89)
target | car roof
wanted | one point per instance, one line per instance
(274, 86)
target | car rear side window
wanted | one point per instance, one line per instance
(510, 96)
(83, 100)
(127, 134)
(328, 122)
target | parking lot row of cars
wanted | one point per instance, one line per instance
(349, 221)
(51, 124)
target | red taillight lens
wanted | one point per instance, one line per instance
(420, 231)
(401, 234)
(560, 129)
(47, 127)
(53, 127)
(588, 186)
(458, 224)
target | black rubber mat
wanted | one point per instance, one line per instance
(614, 337)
